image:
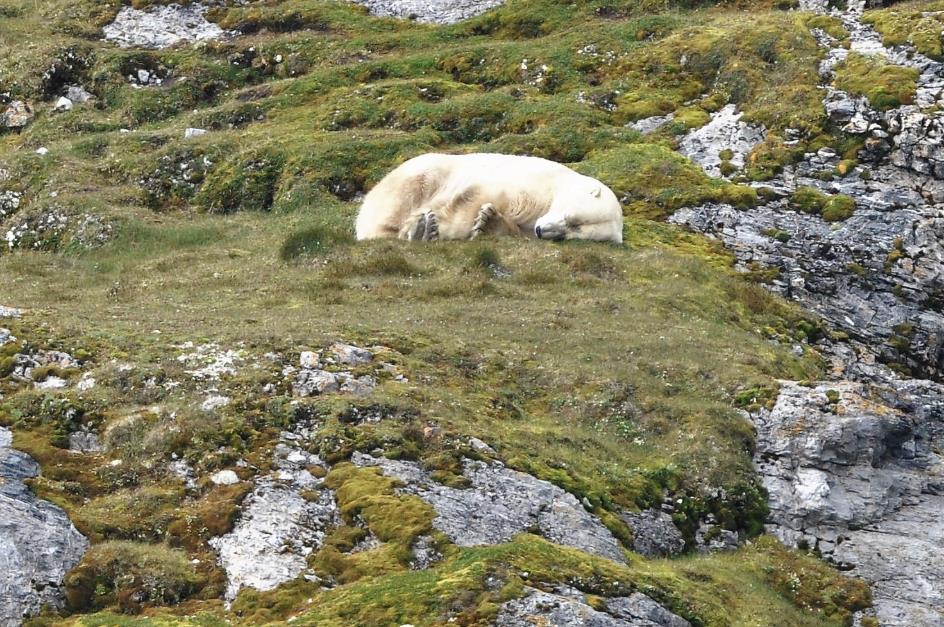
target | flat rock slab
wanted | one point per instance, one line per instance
(161, 26)
(278, 527)
(568, 608)
(430, 11)
(38, 542)
(501, 503)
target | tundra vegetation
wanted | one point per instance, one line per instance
(617, 373)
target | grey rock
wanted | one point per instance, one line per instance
(161, 26)
(77, 94)
(430, 11)
(711, 539)
(214, 401)
(16, 115)
(183, 471)
(84, 442)
(652, 124)
(568, 608)
(654, 533)
(309, 359)
(10, 312)
(350, 355)
(38, 543)
(424, 554)
(225, 477)
(277, 527)
(852, 465)
(479, 446)
(725, 131)
(314, 382)
(6, 337)
(194, 132)
(875, 275)
(639, 607)
(24, 366)
(51, 382)
(499, 504)
(63, 104)
(9, 204)
(359, 386)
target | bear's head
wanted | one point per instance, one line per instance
(586, 210)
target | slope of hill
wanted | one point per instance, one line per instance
(250, 418)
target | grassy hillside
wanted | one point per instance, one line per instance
(616, 373)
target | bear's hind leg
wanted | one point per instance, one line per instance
(486, 213)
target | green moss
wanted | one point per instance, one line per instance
(130, 576)
(885, 85)
(654, 181)
(830, 24)
(778, 234)
(771, 577)
(366, 494)
(897, 252)
(838, 208)
(832, 208)
(915, 23)
(753, 398)
(139, 514)
(769, 157)
(246, 182)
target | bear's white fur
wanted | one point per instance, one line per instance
(443, 196)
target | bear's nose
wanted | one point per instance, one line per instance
(537, 231)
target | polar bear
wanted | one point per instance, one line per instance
(439, 196)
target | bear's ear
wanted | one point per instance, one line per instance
(596, 191)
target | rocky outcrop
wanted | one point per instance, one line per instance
(499, 504)
(918, 141)
(878, 276)
(430, 11)
(851, 465)
(278, 526)
(853, 472)
(725, 132)
(567, 607)
(330, 371)
(161, 26)
(38, 543)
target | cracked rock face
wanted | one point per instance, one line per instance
(161, 26)
(567, 607)
(654, 533)
(853, 471)
(278, 527)
(877, 276)
(725, 131)
(499, 504)
(430, 11)
(38, 543)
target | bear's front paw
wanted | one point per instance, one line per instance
(431, 227)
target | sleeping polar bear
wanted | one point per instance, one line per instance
(438, 196)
